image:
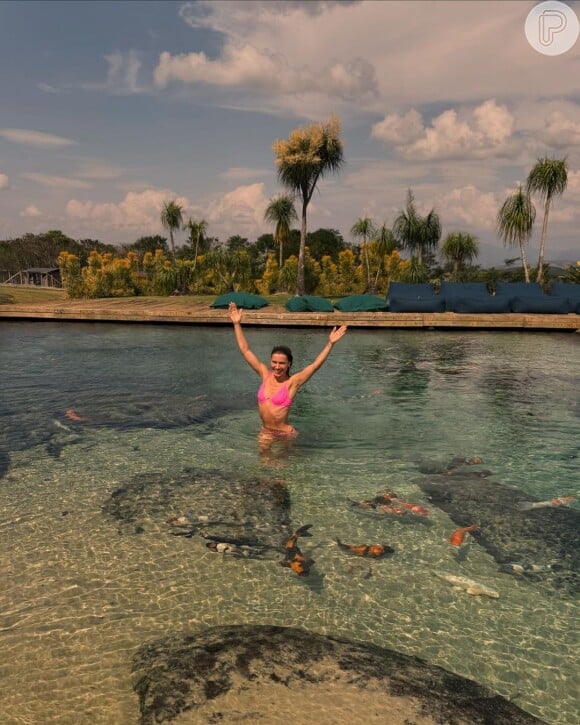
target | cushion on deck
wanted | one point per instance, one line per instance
(242, 299)
(362, 303)
(478, 305)
(539, 306)
(566, 289)
(309, 303)
(409, 289)
(519, 289)
(464, 290)
(428, 303)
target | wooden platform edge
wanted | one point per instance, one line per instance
(161, 314)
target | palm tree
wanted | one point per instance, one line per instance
(548, 178)
(172, 219)
(458, 249)
(416, 233)
(282, 213)
(306, 156)
(385, 243)
(364, 229)
(197, 232)
(515, 221)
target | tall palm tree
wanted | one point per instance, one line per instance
(306, 156)
(172, 219)
(281, 212)
(548, 178)
(364, 229)
(515, 221)
(197, 232)
(458, 249)
(385, 244)
(416, 233)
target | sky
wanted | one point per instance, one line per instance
(109, 109)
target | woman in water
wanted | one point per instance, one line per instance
(279, 387)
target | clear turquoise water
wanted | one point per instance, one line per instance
(79, 596)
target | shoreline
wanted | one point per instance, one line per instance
(184, 310)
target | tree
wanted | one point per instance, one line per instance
(385, 243)
(415, 233)
(324, 242)
(548, 178)
(515, 221)
(148, 244)
(308, 155)
(458, 249)
(197, 232)
(172, 219)
(281, 212)
(364, 229)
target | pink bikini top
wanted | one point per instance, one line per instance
(280, 398)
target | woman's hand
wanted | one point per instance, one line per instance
(235, 314)
(336, 334)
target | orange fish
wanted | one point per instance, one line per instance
(458, 535)
(73, 415)
(302, 531)
(562, 501)
(373, 551)
(294, 558)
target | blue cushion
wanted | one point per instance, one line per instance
(519, 289)
(536, 305)
(428, 303)
(566, 289)
(309, 303)
(362, 303)
(464, 290)
(479, 305)
(408, 289)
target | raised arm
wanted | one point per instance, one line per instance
(304, 375)
(249, 357)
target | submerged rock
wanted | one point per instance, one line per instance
(546, 537)
(211, 675)
(226, 507)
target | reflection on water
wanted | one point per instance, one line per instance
(93, 569)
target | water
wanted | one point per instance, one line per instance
(81, 589)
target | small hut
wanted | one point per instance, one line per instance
(38, 277)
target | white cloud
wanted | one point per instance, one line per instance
(35, 138)
(3, 181)
(97, 169)
(560, 131)
(138, 211)
(482, 132)
(122, 75)
(47, 88)
(240, 211)
(56, 182)
(31, 211)
(468, 206)
(243, 173)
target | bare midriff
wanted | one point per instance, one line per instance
(274, 417)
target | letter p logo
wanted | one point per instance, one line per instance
(552, 28)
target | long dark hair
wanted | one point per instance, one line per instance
(283, 350)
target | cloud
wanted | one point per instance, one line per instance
(243, 173)
(264, 71)
(35, 138)
(59, 182)
(46, 88)
(484, 131)
(122, 75)
(31, 212)
(240, 211)
(138, 211)
(469, 206)
(97, 169)
(3, 181)
(561, 132)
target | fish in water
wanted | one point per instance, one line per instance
(294, 558)
(239, 550)
(562, 501)
(73, 415)
(372, 551)
(475, 589)
(389, 503)
(458, 536)
(525, 569)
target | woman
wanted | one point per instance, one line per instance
(279, 387)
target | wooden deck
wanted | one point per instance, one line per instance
(181, 310)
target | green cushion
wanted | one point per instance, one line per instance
(309, 303)
(242, 299)
(362, 303)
